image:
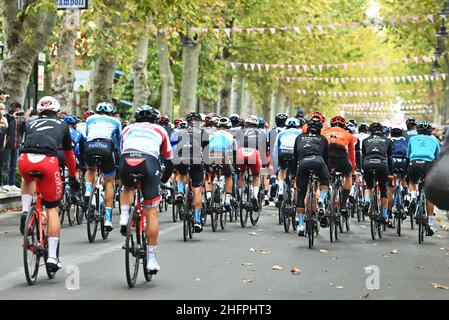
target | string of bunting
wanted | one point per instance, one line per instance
(377, 103)
(320, 27)
(407, 78)
(383, 106)
(320, 67)
(362, 93)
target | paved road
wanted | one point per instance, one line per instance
(212, 266)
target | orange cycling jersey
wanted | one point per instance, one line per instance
(339, 137)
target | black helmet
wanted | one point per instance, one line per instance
(235, 118)
(147, 113)
(397, 132)
(193, 116)
(424, 127)
(363, 128)
(376, 128)
(410, 123)
(353, 121)
(280, 119)
(314, 125)
(302, 122)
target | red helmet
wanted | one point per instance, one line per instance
(87, 114)
(178, 120)
(338, 121)
(319, 115)
(165, 120)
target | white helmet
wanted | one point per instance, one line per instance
(48, 103)
(104, 107)
(251, 121)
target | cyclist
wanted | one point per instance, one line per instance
(283, 151)
(78, 140)
(177, 121)
(363, 133)
(264, 128)
(103, 138)
(341, 155)
(423, 149)
(279, 121)
(165, 123)
(376, 153)
(141, 145)
(250, 144)
(188, 160)
(411, 128)
(221, 145)
(311, 153)
(318, 115)
(42, 138)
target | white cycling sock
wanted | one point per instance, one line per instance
(52, 247)
(27, 199)
(413, 194)
(281, 187)
(208, 195)
(256, 192)
(227, 198)
(431, 221)
(151, 252)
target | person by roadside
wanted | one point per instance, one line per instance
(3, 129)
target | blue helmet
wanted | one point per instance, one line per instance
(70, 119)
(262, 122)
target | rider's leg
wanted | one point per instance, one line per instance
(126, 199)
(152, 233)
(208, 185)
(28, 189)
(281, 181)
(346, 190)
(90, 177)
(109, 198)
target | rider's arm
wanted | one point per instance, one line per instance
(69, 154)
(351, 152)
(167, 155)
(326, 152)
(389, 156)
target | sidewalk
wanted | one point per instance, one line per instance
(10, 200)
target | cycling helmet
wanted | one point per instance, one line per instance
(70, 120)
(350, 127)
(292, 123)
(87, 114)
(353, 121)
(48, 103)
(224, 122)
(363, 128)
(234, 119)
(314, 126)
(146, 113)
(397, 132)
(178, 121)
(338, 121)
(203, 116)
(302, 122)
(300, 113)
(376, 128)
(410, 123)
(193, 116)
(319, 115)
(104, 107)
(280, 119)
(262, 123)
(424, 127)
(182, 125)
(386, 131)
(251, 121)
(213, 122)
(165, 120)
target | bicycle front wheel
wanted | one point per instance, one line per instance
(92, 221)
(132, 250)
(311, 231)
(30, 246)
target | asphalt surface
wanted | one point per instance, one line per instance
(238, 264)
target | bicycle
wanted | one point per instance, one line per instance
(287, 207)
(96, 210)
(377, 225)
(356, 201)
(246, 207)
(217, 210)
(35, 238)
(421, 213)
(398, 203)
(65, 204)
(310, 217)
(78, 210)
(335, 195)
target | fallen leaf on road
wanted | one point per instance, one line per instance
(229, 262)
(420, 267)
(269, 290)
(247, 264)
(439, 286)
(197, 279)
(247, 280)
(276, 267)
(264, 252)
(365, 296)
(444, 249)
(385, 256)
(252, 249)
(295, 270)
(253, 234)
(334, 258)
(339, 287)
(323, 251)
(364, 227)
(395, 251)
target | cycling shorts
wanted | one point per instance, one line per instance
(148, 167)
(195, 171)
(307, 165)
(105, 149)
(341, 165)
(285, 161)
(381, 173)
(418, 169)
(248, 158)
(51, 186)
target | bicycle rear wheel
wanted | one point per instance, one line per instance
(132, 250)
(216, 207)
(398, 221)
(92, 221)
(185, 226)
(31, 255)
(71, 216)
(373, 224)
(411, 212)
(311, 230)
(285, 215)
(244, 211)
(421, 226)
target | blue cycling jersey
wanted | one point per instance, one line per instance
(285, 142)
(221, 140)
(423, 147)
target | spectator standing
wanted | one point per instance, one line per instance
(3, 129)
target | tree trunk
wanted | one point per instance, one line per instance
(166, 76)
(64, 67)
(224, 105)
(24, 37)
(140, 73)
(190, 58)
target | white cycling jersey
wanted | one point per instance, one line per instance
(146, 138)
(103, 127)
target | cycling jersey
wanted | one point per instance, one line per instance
(377, 147)
(411, 133)
(81, 127)
(190, 145)
(341, 144)
(309, 145)
(147, 138)
(221, 140)
(423, 147)
(103, 127)
(285, 143)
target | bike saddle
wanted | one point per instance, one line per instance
(35, 174)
